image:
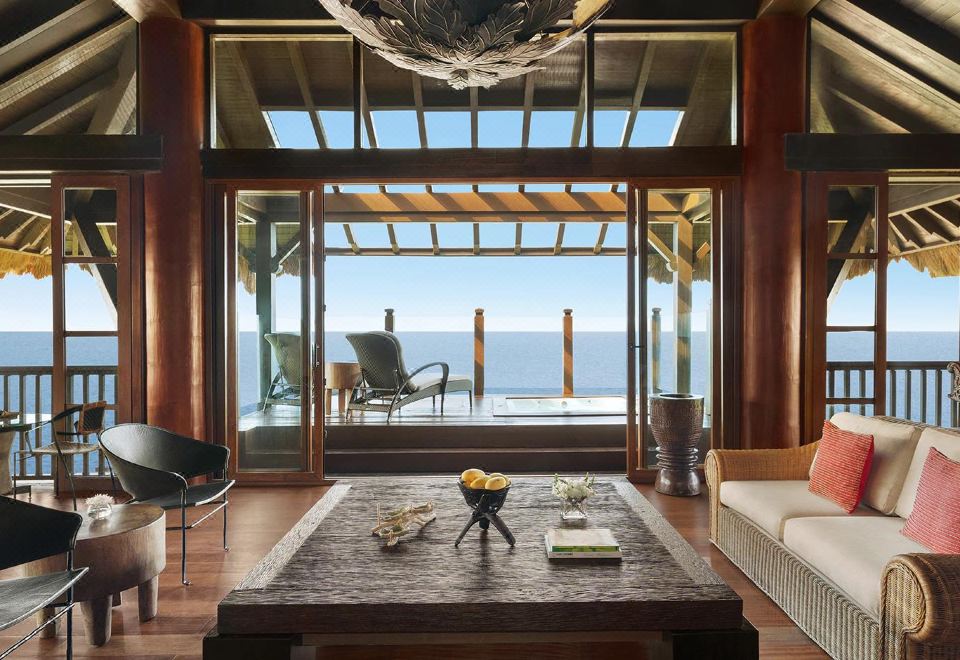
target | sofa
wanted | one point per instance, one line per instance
(852, 582)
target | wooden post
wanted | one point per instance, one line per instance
(478, 352)
(683, 301)
(655, 329)
(265, 301)
(774, 86)
(172, 79)
(568, 352)
(388, 319)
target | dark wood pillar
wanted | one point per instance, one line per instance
(172, 105)
(774, 82)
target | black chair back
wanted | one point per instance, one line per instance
(381, 359)
(159, 449)
(29, 532)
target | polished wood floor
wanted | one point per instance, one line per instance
(261, 516)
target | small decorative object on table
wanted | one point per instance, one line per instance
(398, 522)
(485, 494)
(676, 421)
(573, 496)
(99, 506)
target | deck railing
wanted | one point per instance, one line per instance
(27, 390)
(916, 390)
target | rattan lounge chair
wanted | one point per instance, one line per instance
(386, 386)
(285, 388)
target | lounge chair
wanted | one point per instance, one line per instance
(285, 388)
(385, 385)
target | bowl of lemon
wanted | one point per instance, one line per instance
(485, 494)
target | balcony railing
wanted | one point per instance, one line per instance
(27, 390)
(916, 390)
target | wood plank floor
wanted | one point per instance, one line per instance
(261, 516)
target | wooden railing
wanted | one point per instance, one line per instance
(27, 390)
(916, 390)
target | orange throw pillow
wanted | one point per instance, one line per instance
(935, 520)
(842, 466)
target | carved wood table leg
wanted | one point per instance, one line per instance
(147, 598)
(49, 632)
(97, 617)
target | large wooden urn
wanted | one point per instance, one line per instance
(676, 421)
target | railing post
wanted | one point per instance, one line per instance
(478, 352)
(655, 350)
(388, 319)
(568, 352)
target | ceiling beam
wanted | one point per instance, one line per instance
(907, 198)
(481, 165)
(141, 10)
(303, 82)
(528, 90)
(35, 201)
(85, 153)
(786, 7)
(38, 121)
(838, 152)
(247, 93)
(119, 102)
(62, 64)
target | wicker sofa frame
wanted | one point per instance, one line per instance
(920, 593)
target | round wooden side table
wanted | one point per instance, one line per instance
(125, 550)
(340, 376)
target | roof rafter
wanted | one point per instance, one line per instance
(38, 121)
(119, 102)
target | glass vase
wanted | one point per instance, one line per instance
(99, 511)
(573, 509)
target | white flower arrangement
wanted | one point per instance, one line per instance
(99, 501)
(574, 491)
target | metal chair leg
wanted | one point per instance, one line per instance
(226, 504)
(73, 488)
(69, 630)
(183, 542)
(470, 394)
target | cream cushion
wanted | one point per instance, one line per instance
(893, 448)
(850, 552)
(946, 442)
(769, 504)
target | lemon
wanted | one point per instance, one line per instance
(499, 474)
(471, 475)
(479, 483)
(496, 483)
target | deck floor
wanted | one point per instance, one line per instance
(456, 412)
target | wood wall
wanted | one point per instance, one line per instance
(172, 106)
(774, 75)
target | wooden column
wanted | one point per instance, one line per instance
(478, 352)
(265, 301)
(171, 105)
(568, 352)
(655, 334)
(388, 319)
(774, 80)
(683, 302)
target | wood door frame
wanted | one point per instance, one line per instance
(813, 388)
(222, 198)
(129, 382)
(725, 322)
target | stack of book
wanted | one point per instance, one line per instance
(581, 544)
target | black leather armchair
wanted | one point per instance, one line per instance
(153, 465)
(29, 532)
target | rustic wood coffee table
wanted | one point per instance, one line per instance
(330, 589)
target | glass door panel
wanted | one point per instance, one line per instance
(272, 331)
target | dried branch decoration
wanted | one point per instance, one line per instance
(398, 522)
(468, 43)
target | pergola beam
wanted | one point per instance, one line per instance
(587, 251)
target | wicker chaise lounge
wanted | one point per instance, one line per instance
(854, 584)
(386, 386)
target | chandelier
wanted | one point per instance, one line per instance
(468, 43)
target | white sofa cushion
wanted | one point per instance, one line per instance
(946, 442)
(850, 552)
(893, 448)
(769, 504)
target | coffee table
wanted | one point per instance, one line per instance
(332, 586)
(125, 550)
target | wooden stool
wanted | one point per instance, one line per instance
(125, 550)
(340, 376)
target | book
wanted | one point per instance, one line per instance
(581, 544)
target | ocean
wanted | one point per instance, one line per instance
(515, 362)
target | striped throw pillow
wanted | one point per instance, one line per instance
(935, 519)
(842, 467)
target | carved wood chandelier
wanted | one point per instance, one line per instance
(468, 43)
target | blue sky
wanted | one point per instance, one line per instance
(518, 292)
